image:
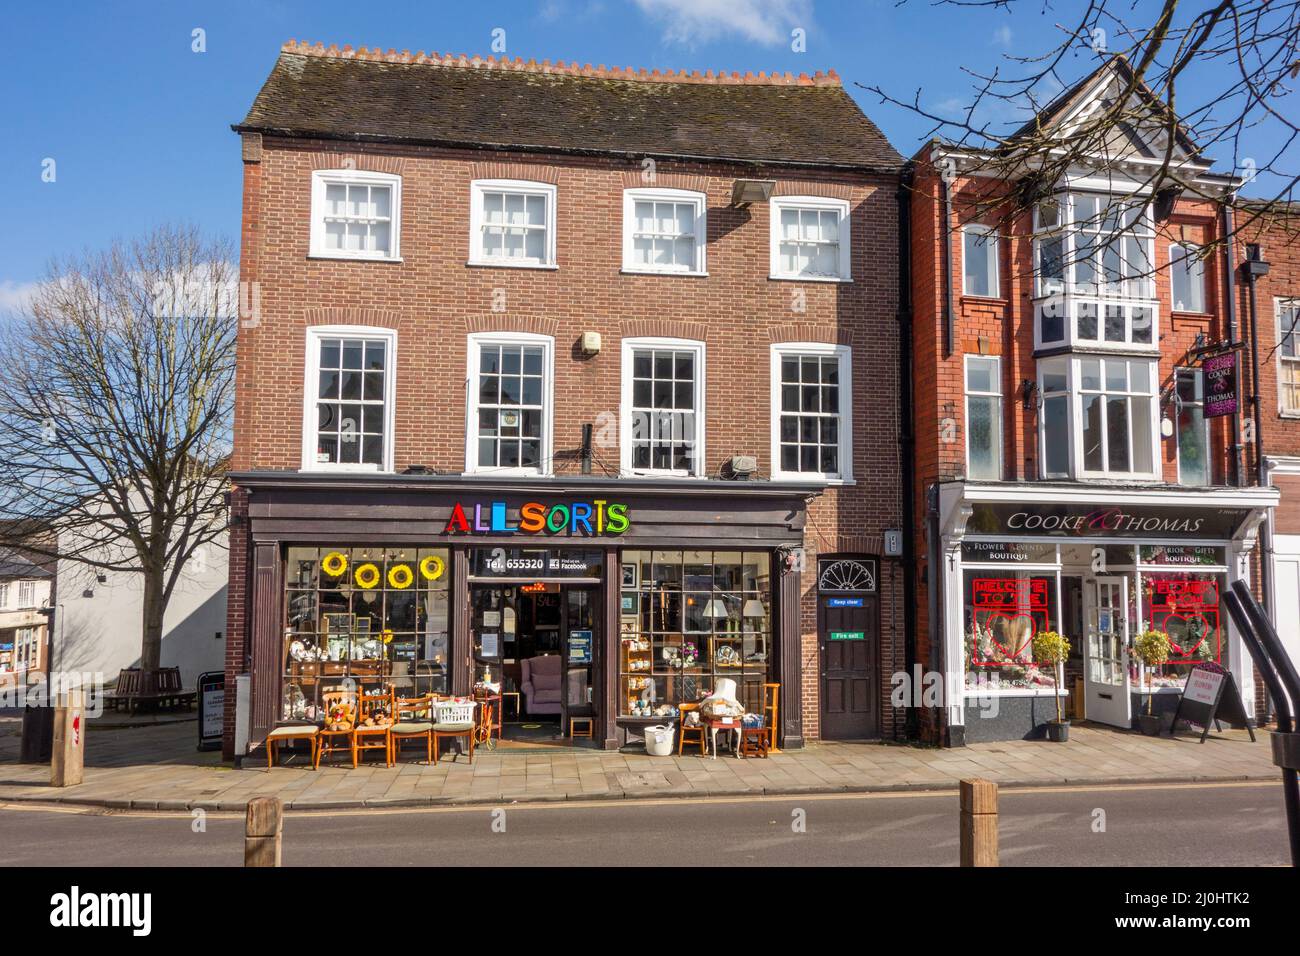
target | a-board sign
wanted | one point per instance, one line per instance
(1209, 697)
(211, 694)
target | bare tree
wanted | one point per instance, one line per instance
(1240, 56)
(115, 409)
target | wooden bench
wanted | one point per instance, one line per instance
(156, 688)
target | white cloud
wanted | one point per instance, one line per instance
(1002, 36)
(16, 296)
(691, 22)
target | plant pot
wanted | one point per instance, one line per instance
(1058, 731)
(1151, 724)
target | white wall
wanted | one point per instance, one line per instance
(1286, 592)
(101, 632)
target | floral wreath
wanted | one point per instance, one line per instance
(432, 567)
(400, 576)
(367, 576)
(334, 563)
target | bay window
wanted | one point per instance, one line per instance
(509, 403)
(663, 231)
(1097, 417)
(983, 418)
(347, 423)
(663, 401)
(355, 214)
(512, 223)
(810, 238)
(810, 411)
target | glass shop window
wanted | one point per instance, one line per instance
(687, 619)
(1185, 605)
(373, 615)
(1003, 612)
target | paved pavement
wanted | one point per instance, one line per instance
(1233, 825)
(157, 767)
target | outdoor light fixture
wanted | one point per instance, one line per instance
(744, 192)
(1027, 390)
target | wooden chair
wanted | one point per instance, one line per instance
(771, 711)
(307, 732)
(414, 720)
(455, 727)
(336, 741)
(380, 707)
(697, 733)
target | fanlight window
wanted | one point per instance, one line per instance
(846, 575)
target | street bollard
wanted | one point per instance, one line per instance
(979, 823)
(262, 828)
(67, 758)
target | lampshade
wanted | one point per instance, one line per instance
(753, 608)
(715, 609)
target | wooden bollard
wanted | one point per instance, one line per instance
(262, 828)
(979, 823)
(68, 754)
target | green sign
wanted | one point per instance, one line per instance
(848, 636)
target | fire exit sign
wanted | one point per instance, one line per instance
(848, 635)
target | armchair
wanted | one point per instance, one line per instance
(541, 684)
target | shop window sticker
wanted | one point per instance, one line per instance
(1187, 609)
(1007, 613)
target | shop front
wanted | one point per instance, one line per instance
(1020, 560)
(595, 604)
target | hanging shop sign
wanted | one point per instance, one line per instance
(533, 564)
(597, 517)
(1220, 374)
(1102, 521)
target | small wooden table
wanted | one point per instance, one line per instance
(732, 724)
(587, 725)
(753, 741)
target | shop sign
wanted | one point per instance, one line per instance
(844, 602)
(1008, 552)
(1181, 554)
(1220, 374)
(1209, 696)
(533, 517)
(1092, 521)
(535, 564)
(580, 647)
(847, 635)
(211, 688)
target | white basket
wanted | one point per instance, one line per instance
(450, 712)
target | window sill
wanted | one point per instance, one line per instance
(331, 257)
(506, 473)
(1190, 316)
(503, 264)
(802, 477)
(664, 272)
(344, 470)
(832, 279)
(1290, 415)
(984, 299)
(1016, 692)
(632, 475)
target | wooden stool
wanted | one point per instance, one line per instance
(585, 722)
(753, 742)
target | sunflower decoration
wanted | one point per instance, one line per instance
(334, 563)
(366, 576)
(432, 567)
(400, 576)
(386, 635)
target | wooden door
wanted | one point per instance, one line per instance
(849, 637)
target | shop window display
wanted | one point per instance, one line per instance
(365, 614)
(1003, 612)
(1185, 605)
(688, 619)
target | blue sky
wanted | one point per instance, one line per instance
(138, 124)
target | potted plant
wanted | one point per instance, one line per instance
(1052, 648)
(1152, 649)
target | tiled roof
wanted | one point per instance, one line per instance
(370, 95)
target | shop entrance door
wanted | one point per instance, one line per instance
(579, 645)
(848, 653)
(1106, 687)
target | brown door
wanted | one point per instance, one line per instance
(848, 673)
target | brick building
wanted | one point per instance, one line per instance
(1076, 467)
(579, 382)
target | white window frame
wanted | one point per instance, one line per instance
(631, 345)
(820, 203)
(1282, 305)
(783, 350)
(1182, 258)
(632, 196)
(477, 188)
(320, 179)
(987, 236)
(1045, 367)
(474, 343)
(1178, 403)
(26, 594)
(997, 417)
(4, 595)
(1074, 417)
(311, 378)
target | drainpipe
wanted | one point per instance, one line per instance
(1253, 267)
(1230, 330)
(935, 596)
(946, 231)
(908, 435)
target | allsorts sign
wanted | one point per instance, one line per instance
(575, 517)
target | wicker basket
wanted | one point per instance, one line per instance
(453, 712)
